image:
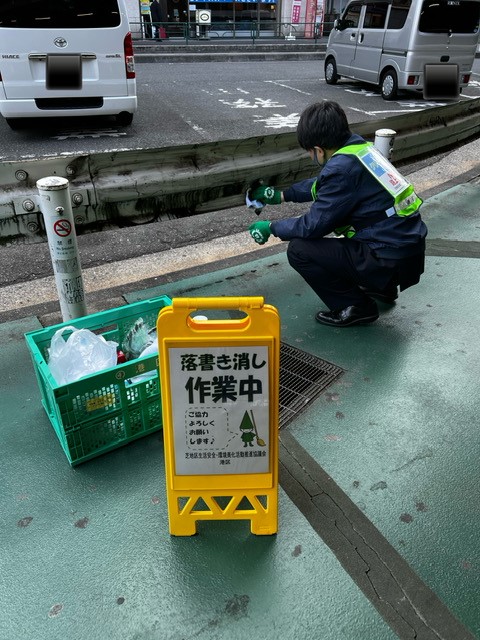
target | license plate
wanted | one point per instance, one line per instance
(64, 72)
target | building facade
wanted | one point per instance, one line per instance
(303, 18)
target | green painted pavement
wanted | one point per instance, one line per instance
(399, 432)
(86, 552)
(453, 214)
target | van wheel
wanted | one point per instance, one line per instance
(331, 75)
(124, 118)
(389, 85)
(14, 123)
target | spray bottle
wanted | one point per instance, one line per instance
(256, 205)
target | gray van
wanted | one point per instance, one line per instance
(391, 43)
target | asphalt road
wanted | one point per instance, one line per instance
(197, 102)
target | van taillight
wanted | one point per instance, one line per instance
(128, 52)
(466, 78)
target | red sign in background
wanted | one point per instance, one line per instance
(314, 13)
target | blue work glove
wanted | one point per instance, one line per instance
(266, 195)
(260, 231)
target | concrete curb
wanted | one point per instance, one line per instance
(225, 52)
(237, 56)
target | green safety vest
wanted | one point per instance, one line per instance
(405, 200)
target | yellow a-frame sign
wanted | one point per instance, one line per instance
(220, 396)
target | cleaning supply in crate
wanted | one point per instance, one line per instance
(81, 354)
(151, 350)
(137, 339)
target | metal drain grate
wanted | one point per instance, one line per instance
(302, 378)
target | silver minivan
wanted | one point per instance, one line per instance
(66, 58)
(391, 43)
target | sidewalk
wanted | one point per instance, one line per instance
(379, 515)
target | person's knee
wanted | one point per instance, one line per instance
(294, 252)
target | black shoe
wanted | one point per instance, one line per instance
(347, 317)
(388, 296)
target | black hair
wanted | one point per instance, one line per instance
(323, 124)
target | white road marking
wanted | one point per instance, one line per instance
(422, 104)
(81, 135)
(363, 92)
(197, 128)
(415, 105)
(286, 86)
(259, 102)
(277, 120)
(374, 113)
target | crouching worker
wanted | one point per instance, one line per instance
(360, 197)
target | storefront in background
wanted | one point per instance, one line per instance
(242, 14)
(311, 17)
(308, 18)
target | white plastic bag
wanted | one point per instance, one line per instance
(81, 354)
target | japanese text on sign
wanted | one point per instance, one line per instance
(220, 409)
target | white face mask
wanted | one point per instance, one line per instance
(317, 161)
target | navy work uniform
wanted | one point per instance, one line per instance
(384, 242)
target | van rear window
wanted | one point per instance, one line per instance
(398, 14)
(59, 14)
(449, 16)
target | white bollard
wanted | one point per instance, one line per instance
(384, 139)
(57, 213)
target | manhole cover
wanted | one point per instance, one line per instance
(302, 378)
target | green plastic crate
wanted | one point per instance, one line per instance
(102, 411)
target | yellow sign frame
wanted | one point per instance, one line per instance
(220, 496)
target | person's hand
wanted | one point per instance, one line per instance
(348, 231)
(266, 195)
(260, 231)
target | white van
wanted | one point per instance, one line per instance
(389, 42)
(66, 58)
